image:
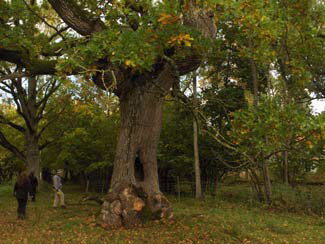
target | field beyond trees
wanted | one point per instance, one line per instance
(212, 220)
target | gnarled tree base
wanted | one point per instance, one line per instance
(126, 205)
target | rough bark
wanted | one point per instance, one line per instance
(77, 18)
(141, 117)
(33, 155)
(29, 109)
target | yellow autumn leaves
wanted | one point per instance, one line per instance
(166, 19)
(182, 38)
(175, 40)
(130, 63)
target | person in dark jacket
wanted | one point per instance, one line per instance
(21, 190)
(34, 183)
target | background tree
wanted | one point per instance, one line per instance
(30, 98)
(86, 148)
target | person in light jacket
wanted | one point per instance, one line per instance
(58, 193)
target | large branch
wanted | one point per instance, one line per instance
(77, 18)
(33, 66)
(6, 144)
(3, 120)
(49, 90)
(11, 56)
(12, 76)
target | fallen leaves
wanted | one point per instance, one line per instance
(193, 223)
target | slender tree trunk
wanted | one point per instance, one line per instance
(285, 168)
(256, 184)
(264, 166)
(254, 76)
(141, 118)
(267, 182)
(216, 185)
(198, 187)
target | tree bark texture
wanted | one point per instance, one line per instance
(141, 118)
(33, 155)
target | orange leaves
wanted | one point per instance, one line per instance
(181, 39)
(130, 63)
(166, 19)
(138, 205)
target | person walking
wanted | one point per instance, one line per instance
(58, 193)
(21, 190)
(34, 184)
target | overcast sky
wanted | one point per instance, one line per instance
(318, 105)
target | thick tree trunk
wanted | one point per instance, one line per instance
(129, 196)
(29, 107)
(33, 155)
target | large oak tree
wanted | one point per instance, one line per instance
(138, 49)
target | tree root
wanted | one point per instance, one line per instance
(124, 206)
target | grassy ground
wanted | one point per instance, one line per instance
(208, 221)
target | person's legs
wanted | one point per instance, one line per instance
(61, 194)
(21, 211)
(23, 208)
(56, 199)
(33, 195)
(19, 208)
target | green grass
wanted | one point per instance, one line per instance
(206, 221)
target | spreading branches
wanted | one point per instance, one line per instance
(12, 76)
(58, 32)
(50, 88)
(6, 144)
(77, 18)
(4, 120)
